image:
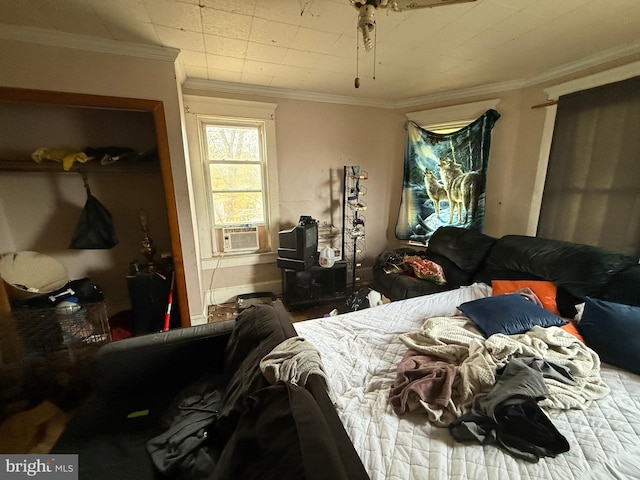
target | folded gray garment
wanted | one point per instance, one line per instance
(522, 377)
(293, 360)
(509, 416)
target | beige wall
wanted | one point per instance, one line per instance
(315, 140)
(42, 67)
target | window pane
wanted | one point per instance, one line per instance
(235, 177)
(233, 143)
(235, 208)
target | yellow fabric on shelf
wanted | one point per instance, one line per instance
(66, 156)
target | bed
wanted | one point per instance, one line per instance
(361, 351)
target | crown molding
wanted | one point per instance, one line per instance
(211, 86)
(192, 85)
(465, 93)
(585, 63)
(612, 75)
(85, 42)
(460, 115)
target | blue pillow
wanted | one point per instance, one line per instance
(613, 331)
(509, 314)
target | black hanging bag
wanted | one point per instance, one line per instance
(95, 228)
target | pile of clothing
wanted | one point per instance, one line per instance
(493, 390)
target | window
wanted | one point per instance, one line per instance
(232, 150)
(235, 173)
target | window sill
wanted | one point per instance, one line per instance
(238, 260)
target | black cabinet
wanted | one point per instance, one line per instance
(149, 296)
(314, 286)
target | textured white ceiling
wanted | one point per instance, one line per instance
(310, 46)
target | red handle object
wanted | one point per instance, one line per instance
(167, 316)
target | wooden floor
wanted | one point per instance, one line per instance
(317, 312)
(227, 311)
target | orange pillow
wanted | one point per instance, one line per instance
(573, 330)
(545, 291)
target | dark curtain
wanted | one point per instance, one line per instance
(592, 188)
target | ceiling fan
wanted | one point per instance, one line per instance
(367, 12)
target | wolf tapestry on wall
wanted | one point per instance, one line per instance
(444, 179)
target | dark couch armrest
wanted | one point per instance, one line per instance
(153, 361)
(135, 381)
(142, 375)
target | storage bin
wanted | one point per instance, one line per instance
(45, 355)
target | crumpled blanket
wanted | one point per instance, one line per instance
(293, 361)
(421, 379)
(456, 340)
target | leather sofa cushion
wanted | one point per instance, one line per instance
(486, 275)
(624, 287)
(459, 251)
(397, 286)
(467, 248)
(582, 270)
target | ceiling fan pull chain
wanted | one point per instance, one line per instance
(356, 82)
(375, 49)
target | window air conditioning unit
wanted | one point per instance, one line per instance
(240, 238)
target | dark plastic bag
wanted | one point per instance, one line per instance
(95, 228)
(358, 300)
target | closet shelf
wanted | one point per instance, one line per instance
(28, 165)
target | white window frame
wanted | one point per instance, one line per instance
(203, 122)
(453, 117)
(199, 110)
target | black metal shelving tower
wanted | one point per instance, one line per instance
(353, 222)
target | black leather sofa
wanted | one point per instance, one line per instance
(469, 256)
(260, 431)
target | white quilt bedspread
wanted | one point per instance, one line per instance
(361, 351)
